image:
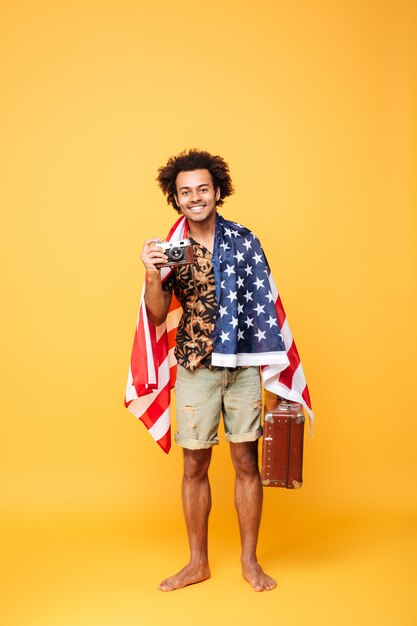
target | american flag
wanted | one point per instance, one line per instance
(247, 330)
(251, 329)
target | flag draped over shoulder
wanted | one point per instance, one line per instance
(251, 329)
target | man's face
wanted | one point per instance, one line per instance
(196, 196)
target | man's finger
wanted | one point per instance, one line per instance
(149, 241)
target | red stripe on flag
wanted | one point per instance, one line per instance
(165, 441)
(172, 338)
(162, 349)
(157, 408)
(286, 376)
(138, 365)
(306, 397)
(280, 312)
(174, 304)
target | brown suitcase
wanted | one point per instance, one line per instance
(283, 439)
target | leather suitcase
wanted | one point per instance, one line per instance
(283, 440)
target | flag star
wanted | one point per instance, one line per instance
(240, 309)
(222, 284)
(233, 322)
(238, 256)
(240, 225)
(260, 308)
(228, 232)
(260, 334)
(239, 281)
(249, 321)
(248, 269)
(232, 295)
(248, 295)
(240, 334)
(257, 258)
(220, 258)
(224, 336)
(235, 233)
(223, 310)
(271, 322)
(247, 244)
(270, 296)
(259, 282)
(225, 246)
(230, 270)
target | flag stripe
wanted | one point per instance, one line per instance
(158, 408)
(161, 425)
(165, 441)
(286, 376)
(280, 312)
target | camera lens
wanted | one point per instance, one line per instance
(176, 254)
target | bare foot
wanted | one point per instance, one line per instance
(256, 577)
(189, 575)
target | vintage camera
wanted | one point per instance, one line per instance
(178, 252)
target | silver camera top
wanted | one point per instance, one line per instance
(166, 245)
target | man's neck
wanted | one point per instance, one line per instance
(203, 233)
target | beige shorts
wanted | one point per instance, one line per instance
(203, 394)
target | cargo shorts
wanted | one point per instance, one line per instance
(203, 395)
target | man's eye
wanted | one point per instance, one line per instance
(205, 189)
(184, 193)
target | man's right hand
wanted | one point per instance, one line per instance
(156, 299)
(151, 255)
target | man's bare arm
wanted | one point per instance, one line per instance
(157, 301)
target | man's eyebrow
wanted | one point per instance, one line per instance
(200, 185)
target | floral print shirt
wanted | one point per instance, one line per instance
(195, 289)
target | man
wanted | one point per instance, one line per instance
(196, 183)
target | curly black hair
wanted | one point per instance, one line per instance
(194, 159)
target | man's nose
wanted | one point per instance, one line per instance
(195, 195)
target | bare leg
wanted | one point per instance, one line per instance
(248, 502)
(196, 497)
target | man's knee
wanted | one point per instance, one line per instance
(196, 463)
(245, 458)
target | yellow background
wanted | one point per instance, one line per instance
(313, 106)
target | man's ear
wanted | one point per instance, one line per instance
(176, 200)
(217, 196)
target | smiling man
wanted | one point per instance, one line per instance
(228, 329)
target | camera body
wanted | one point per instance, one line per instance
(178, 252)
